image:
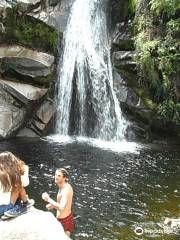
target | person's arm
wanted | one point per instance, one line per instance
(59, 206)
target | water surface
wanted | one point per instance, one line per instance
(114, 192)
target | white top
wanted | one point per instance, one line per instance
(6, 196)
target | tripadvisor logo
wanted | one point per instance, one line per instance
(139, 231)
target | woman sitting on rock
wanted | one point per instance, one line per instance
(13, 178)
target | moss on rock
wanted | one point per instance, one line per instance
(23, 29)
(156, 28)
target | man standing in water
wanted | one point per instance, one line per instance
(63, 204)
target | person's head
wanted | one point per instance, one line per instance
(61, 176)
(11, 169)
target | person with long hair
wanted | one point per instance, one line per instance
(14, 177)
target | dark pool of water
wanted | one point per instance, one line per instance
(114, 192)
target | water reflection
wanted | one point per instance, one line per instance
(114, 192)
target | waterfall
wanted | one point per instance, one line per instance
(86, 101)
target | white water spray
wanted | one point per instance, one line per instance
(86, 58)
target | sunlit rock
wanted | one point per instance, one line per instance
(46, 111)
(9, 3)
(4, 4)
(55, 16)
(12, 114)
(17, 102)
(23, 91)
(34, 225)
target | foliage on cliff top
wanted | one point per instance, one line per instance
(23, 29)
(157, 28)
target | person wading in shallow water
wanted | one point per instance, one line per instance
(63, 205)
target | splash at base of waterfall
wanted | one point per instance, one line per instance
(118, 146)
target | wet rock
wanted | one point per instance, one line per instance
(125, 65)
(31, 226)
(120, 10)
(27, 132)
(122, 38)
(123, 56)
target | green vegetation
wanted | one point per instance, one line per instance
(23, 29)
(156, 30)
(170, 110)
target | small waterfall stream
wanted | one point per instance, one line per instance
(86, 102)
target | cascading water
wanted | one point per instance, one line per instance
(85, 83)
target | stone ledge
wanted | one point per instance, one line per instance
(34, 225)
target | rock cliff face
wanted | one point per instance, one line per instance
(146, 65)
(28, 47)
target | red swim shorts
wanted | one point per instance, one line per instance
(67, 223)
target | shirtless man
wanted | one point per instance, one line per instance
(63, 204)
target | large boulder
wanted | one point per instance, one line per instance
(18, 104)
(23, 92)
(11, 119)
(40, 121)
(25, 61)
(34, 225)
(12, 114)
(55, 16)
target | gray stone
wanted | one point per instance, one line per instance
(34, 225)
(26, 61)
(26, 132)
(42, 118)
(4, 4)
(11, 119)
(120, 87)
(121, 38)
(12, 114)
(56, 16)
(39, 125)
(25, 3)
(46, 111)
(23, 92)
(124, 56)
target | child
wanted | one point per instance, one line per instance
(13, 178)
